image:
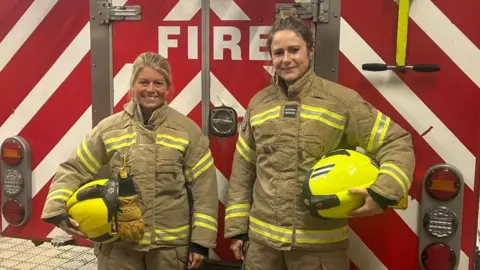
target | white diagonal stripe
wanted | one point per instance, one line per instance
(49, 83)
(226, 10)
(47, 167)
(448, 37)
(411, 107)
(29, 21)
(189, 97)
(450, 149)
(361, 255)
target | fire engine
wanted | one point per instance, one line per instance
(65, 65)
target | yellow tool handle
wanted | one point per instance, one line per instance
(402, 31)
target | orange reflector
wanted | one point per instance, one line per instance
(442, 184)
(12, 152)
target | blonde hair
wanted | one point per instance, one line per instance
(152, 60)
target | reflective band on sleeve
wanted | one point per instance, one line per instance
(172, 142)
(323, 115)
(172, 234)
(270, 231)
(321, 236)
(87, 159)
(166, 235)
(246, 152)
(147, 239)
(397, 174)
(257, 119)
(202, 165)
(205, 221)
(379, 130)
(237, 210)
(61, 193)
(120, 142)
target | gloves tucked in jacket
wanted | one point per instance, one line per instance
(129, 217)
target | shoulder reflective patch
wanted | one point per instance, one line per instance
(290, 110)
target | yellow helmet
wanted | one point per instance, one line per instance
(93, 206)
(325, 190)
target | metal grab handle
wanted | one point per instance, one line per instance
(417, 68)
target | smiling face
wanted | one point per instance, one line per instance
(150, 89)
(290, 55)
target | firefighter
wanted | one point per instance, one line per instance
(170, 221)
(287, 127)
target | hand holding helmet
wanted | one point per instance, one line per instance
(369, 208)
(337, 184)
(71, 227)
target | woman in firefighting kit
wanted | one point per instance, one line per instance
(157, 155)
(287, 128)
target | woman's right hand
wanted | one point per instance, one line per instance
(70, 226)
(237, 246)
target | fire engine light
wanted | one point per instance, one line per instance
(12, 152)
(438, 256)
(440, 222)
(12, 182)
(13, 212)
(442, 184)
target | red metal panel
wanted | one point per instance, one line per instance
(10, 13)
(39, 52)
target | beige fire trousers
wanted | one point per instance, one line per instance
(261, 257)
(116, 257)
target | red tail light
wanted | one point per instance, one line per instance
(13, 212)
(438, 257)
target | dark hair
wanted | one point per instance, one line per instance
(293, 24)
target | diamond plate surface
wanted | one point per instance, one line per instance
(20, 254)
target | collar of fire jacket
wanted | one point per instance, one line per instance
(301, 87)
(157, 117)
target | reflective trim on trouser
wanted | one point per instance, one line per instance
(115, 256)
(262, 257)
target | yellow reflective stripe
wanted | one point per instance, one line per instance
(197, 170)
(232, 215)
(246, 152)
(62, 197)
(264, 116)
(172, 234)
(323, 115)
(270, 231)
(379, 130)
(204, 216)
(205, 225)
(172, 142)
(89, 155)
(120, 142)
(61, 193)
(146, 239)
(321, 236)
(205, 221)
(91, 164)
(237, 210)
(397, 174)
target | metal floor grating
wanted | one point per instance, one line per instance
(22, 254)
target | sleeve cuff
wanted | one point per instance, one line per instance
(55, 220)
(243, 237)
(196, 248)
(380, 200)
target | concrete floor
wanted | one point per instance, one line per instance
(22, 254)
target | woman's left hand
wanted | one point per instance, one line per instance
(195, 260)
(369, 208)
